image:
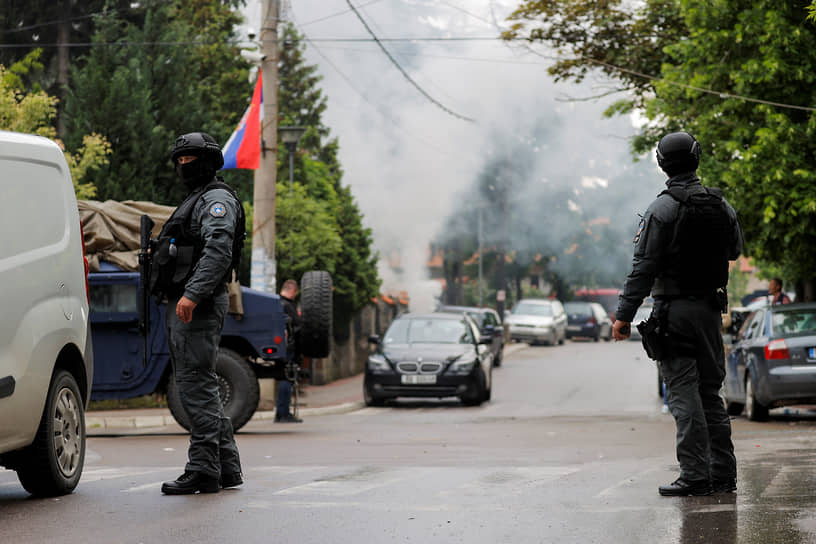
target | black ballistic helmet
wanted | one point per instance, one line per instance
(678, 152)
(198, 144)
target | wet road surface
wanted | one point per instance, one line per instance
(571, 449)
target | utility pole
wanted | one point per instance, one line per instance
(264, 267)
(480, 254)
(501, 282)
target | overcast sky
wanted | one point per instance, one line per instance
(408, 160)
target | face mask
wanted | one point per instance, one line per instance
(194, 173)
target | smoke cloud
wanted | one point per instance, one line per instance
(411, 165)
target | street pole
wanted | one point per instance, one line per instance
(263, 273)
(501, 292)
(291, 167)
(480, 256)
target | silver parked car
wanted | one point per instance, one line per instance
(536, 320)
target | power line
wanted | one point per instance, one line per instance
(721, 94)
(58, 21)
(404, 73)
(378, 108)
(307, 23)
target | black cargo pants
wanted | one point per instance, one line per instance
(193, 350)
(694, 373)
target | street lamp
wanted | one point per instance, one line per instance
(290, 136)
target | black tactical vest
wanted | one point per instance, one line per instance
(179, 246)
(697, 261)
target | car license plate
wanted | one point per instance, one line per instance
(574, 327)
(812, 353)
(418, 379)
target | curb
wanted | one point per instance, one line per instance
(147, 422)
(93, 422)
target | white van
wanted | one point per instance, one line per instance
(46, 360)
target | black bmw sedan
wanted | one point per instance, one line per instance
(430, 355)
(773, 361)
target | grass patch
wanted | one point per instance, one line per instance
(154, 400)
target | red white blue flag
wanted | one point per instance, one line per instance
(243, 149)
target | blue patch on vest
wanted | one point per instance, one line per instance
(218, 210)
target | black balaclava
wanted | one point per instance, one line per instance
(195, 173)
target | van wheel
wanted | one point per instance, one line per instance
(316, 313)
(52, 464)
(238, 390)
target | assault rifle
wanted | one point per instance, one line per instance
(145, 258)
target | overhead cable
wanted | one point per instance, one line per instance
(402, 70)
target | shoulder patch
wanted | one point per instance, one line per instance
(218, 210)
(641, 226)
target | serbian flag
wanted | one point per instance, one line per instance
(243, 149)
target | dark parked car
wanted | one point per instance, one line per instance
(773, 361)
(489, 325)
(588, 320)
(430, 355)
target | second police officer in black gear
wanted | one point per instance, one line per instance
(293, 326)
(682, 248)
(194, 255)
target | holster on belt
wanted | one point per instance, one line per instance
(654, 333)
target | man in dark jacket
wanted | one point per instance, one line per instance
(682, 248)
(288, 293)
(193, 259)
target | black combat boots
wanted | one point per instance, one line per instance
(231, 480)
(724, 486)
(189, 483)
(683, 488)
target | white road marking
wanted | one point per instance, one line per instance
(626, 482)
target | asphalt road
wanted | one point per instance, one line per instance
(571, 449)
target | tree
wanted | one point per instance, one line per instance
(59, 24)
(301, 102)
(307, 237)
(739, 77)
(143, 91)
(33, 111)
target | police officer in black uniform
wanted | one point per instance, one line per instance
(293, 326)
(682, 249)
(194, 255)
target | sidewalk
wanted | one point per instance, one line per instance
(338, 397)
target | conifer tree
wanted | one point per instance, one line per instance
(301, 102)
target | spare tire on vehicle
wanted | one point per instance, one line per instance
(315, 313)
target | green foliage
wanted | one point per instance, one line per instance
(317, 170)
(33, 112)
(665, 52)
(306, 234)
(140, 97)
(27, 23)
(23, 111)
(737, 286)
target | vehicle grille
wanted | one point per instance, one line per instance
(417, 368)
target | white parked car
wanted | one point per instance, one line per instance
(46, 360)
(534, 320)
